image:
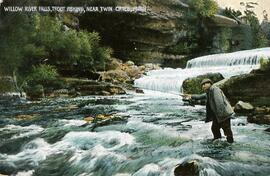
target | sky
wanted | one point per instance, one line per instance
(235, 4)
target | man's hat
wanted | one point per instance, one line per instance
(206, 81)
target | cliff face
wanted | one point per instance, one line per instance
(168, 32)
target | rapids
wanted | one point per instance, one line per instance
(157, 132)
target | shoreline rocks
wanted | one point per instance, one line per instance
(243, 107)
(125, 73)
(258, 115)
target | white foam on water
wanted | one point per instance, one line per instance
(21, 131)
(149, 169)
(245, 57)
(25, 173)
(72, 122)
(251, 157)
(34, 151)
(200, 130)
(97, 157)
(155, 130)
(87, 140)
(122, 174)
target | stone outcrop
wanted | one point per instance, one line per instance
(187, 168)
(243, 107)
(261, 115)
(253, 88)
(85, 87)
(259, 119)
(168, 32)
(121, 73)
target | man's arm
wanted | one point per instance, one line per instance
(195, 96)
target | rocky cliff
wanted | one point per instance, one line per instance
(168, 32)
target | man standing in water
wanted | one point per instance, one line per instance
(218, 109)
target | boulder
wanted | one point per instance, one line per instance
(193, 85)
(114, 64)
(140, 91)
(253, 88)
(150, 66)
(243, 107)
(267, 130)
(104, 116)
(130, 63)
(262, 110)
(89, 119)
(259, 119)
(59, 93)
(189, 168)
(115, 76)
(27, 117)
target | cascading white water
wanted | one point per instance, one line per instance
(246, 57)
(228, 64)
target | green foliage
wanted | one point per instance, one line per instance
(259, 37)
(265, 64)
(231, 13)
(42, 74)
(205, 8)
(6, 84)
(31, 40)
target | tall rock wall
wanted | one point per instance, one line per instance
(169, 32)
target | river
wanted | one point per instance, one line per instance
(154, 134)
(150, 135)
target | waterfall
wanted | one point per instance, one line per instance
(247, 57)
(228, 64)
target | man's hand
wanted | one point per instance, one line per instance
(186, 96)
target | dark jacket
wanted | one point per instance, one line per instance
(217, 105)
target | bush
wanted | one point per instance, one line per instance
(28, 41)
(265, 64)
(43, 75)
(205, 8)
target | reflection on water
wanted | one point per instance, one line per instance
(157, 133)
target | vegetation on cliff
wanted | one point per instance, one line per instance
(205, 8)
(31, 44)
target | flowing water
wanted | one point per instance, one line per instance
(153, 132)
(230, 64)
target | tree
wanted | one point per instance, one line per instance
(259, 37)
(205, 8)
(30, 40)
